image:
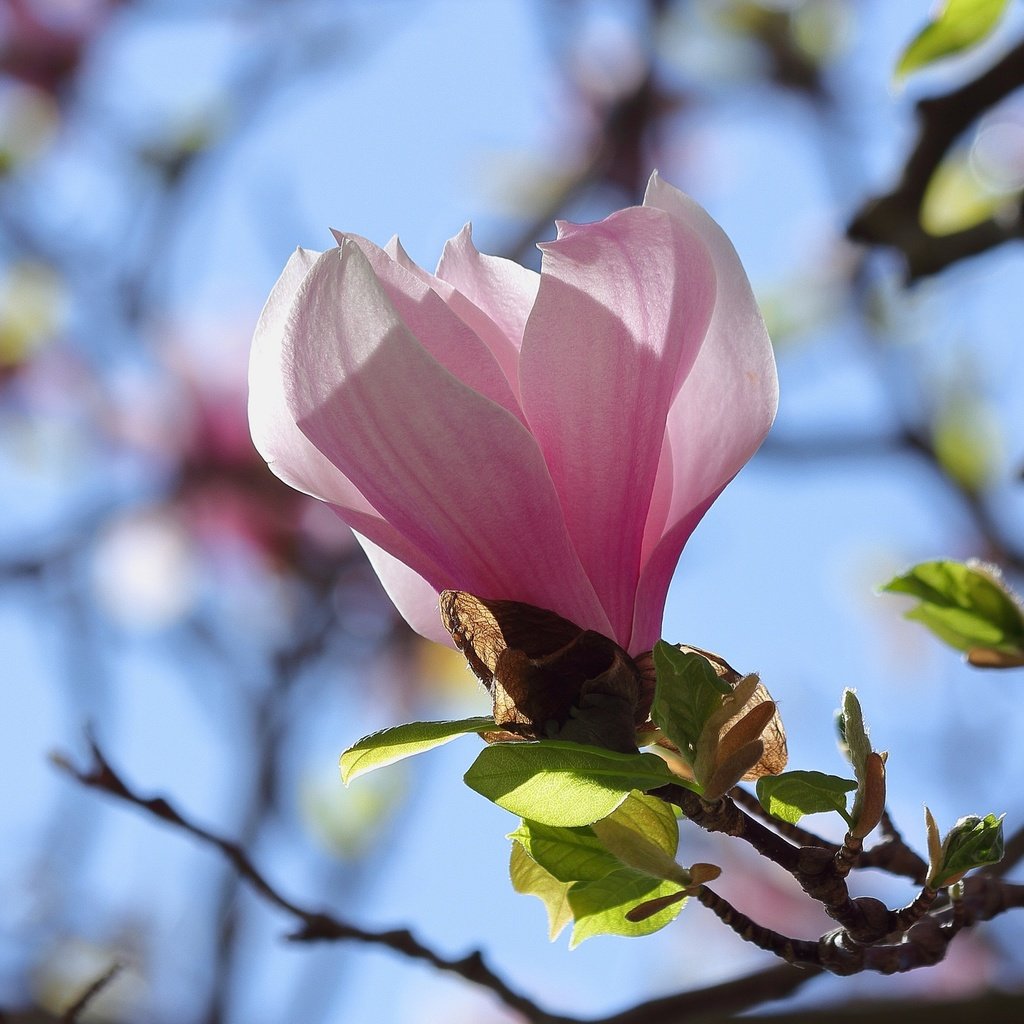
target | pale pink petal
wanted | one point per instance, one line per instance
(494, 337)
(438, 327)
(288, 452)
(454, 473)
(722, 412)
(620, 316)
(652, 592)
(410, 593)
(504, 290)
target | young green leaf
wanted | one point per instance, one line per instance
(650, 817)
(793, 794)
(643, 834)
(391, 745)
(972, 843)
(958, 26)
(966, 605)
(560, 783)
(618, 876)
(688, 692)
(600, 907)
(529, 878)
(640, 826)
(568, 854)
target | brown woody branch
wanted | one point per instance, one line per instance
(894, 219)
(925, 942)
(74, 1012)
(313, 925)
(734, 996)
(801, 836)
(853, 948)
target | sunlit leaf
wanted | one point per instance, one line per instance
(966, 605)
(643, 834)
(958, 26)
(966, 439)
(640, 827)
(793, 794)
(688, 692)
(561, 783)
(391, 745)
(607, 870)
(955, 199)
(600, 907)
(529, 878)
(568, 854)
(971, 843)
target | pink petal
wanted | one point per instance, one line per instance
(410, 593)
(455, 474)
(619, 319)
(504, 290)
(652, 592)
(288, 452)
(438, 328)
(720, 416)
(494, 337)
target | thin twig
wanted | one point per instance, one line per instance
(725, 999)
(794, 833)
(734, 996)
(74, 1011)
(893, 219)
(314, 925)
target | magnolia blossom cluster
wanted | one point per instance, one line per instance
(551, 438)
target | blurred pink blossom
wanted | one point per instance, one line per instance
(551, 438)
(42, 41)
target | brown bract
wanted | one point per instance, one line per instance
(548, 678)
(775, 754)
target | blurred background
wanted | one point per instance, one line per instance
(222, 636)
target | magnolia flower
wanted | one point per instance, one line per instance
(550, 438)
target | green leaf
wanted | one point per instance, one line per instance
(650, 817)
(600, 907)
(972, 843)
(793, 794)
(606, 870)
(568, 854)
(688, 692)
(966, 437)
(642, 832)
(560, 783)
(957, 198)
(965, 605)
(391, 745)
(529, 878)
(958, 26)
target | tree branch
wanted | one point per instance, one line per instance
(78, 1007)
(733, 996)
(313, 925)
(893, 219)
